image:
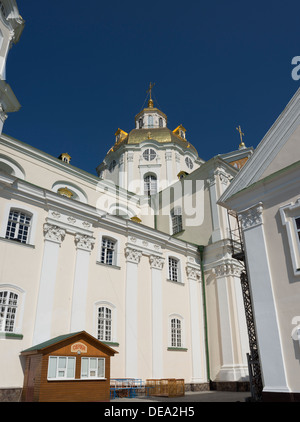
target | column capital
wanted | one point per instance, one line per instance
(156, 262)
(54, 233)
(251, 216)
(84, 242)
(227, 269)
(133, 255)
(193, 273)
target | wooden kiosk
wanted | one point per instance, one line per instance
(70, 368)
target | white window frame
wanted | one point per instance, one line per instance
(26, 210)
(107, 323)
(149, 154)
(8, 310)
(289, 213)
(152, 187)
(90, 370)
(18, 319)
(114, 319)
(18, 223)
(176, 220)
(58, 370)
(180, 279)
(109, 247)
(116, 257)
(175, 345)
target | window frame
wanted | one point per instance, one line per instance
(176, 220)
(5, 311)
(57, 369)
(18, 224)
(89, 377)
(189, 163)
(152, 187)
(175, 345)
(106, 249)
(107, 323)
(173, 270)
(289, 214)
(149, 154)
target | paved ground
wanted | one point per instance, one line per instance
(192, 397)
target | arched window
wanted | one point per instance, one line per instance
(18, 226)
(140, 123)
(8, 310)
(160, 122)
(176, 332)
(150, 184)
(176, 217)
(149, 154)
(104, 327)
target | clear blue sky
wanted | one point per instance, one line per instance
(81, 71)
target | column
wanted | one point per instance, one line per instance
(197, 324)
(84, 245)
(264, 307)
(231, 319)
(216, 234)
(133, 257)
(54, 235)
(156, 265)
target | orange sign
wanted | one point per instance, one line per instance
(79, 347)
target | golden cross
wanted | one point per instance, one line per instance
(150, 89)
(241, 133)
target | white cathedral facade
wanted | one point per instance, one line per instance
(137, 255)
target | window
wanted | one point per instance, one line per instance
(173, 269)
(297, 222)
(150, 184)
(160, 122)
(140, 123)
(18, 226)
(176, 332)
(112, 166)
(189, 162)
(176, 217)
(149, 154)
(108, 251)
(92, 367)
(61, 367)
(150, 121)
(8, 310)
(104, 324)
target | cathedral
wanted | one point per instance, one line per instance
(137, 255)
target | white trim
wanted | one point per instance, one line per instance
(288, 214)
(183, 340)
(117, 250)
(179, 258)
(18, 325)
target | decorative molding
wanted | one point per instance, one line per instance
(133, 255)
(193, 273)
(251, 217)
(227, 269)
(156, 262)
(84, 242)
(54, 233)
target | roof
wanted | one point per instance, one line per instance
(61, 338)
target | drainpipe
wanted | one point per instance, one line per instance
(201, 251)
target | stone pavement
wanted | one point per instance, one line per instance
(192, 397)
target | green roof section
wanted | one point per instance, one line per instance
(50, 342)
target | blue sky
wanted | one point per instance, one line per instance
(81, 71)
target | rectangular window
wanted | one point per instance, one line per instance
(297, 221)
(173, 269)
(18, 226)
(92, 368)
(108, 251)
(61, 367)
